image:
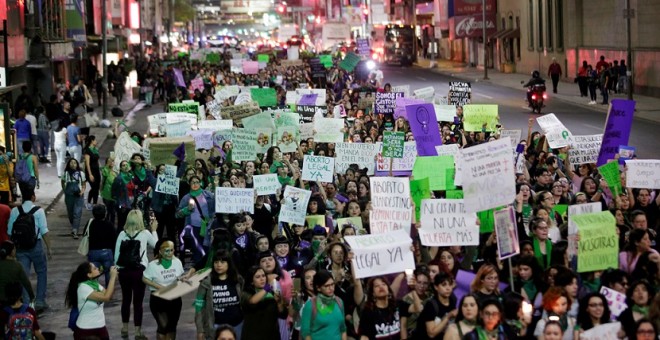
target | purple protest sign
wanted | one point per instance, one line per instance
(463, 281)
(308, 99)
(617, 129)
(424, 126)
(400, 108)
(178, 78)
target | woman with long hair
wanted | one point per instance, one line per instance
(86, 294)
(101, 236)
(530, 281)
(486, 283)
(143, 181)
(92, 170)
(594, 311)
(556, 304)
(639, 298)
(12, 271)
(198, 209)
(380, 317)
(164, 270)
(73, 184)
(490, 325)
(645, 330)
(263, 305)
(210, 312)
(123, 190)
(466, 319)
(108, 176)
(323, 314)
(420, 294)
(638, 244)
(300, 298)
(541, 243)
(59, 144)
(281, 280)
(131, 270)
(164, 207)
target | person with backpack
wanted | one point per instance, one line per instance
(323, 314)
(26, 171)
(86, 297)
(73, 184)
(27, 227)
(17, 319)
(131, 258)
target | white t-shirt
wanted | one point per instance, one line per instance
(91, 312)
(60, 138)
(164, 277)
(145, 237)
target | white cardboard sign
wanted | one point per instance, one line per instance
(381, 254)
(234, 200)
(445, 223)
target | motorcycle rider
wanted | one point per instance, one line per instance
(536, 80)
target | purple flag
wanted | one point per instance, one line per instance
(178, 78)
(308, 99)
(180, 152)
(617, 129)
(401, 102)
(424, 126)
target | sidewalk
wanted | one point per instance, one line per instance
(50, 188)
(647, 108)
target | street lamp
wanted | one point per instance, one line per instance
(483, 14)
(629, 14)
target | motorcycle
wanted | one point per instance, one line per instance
(536, 96)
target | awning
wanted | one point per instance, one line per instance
(498, 34)
(10, 88)
(512, 34)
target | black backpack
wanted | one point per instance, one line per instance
(24, 232)
(129, 253)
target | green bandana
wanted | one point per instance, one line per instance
(644, 310)
(325, 304)
(539, 256)
(267, 296)
(94, 150)
(141, 173)
(136, 139)
(195, 193)
(126, 177)
(530, 289)
(484, 334)
(166, 263)
(94, 284)
(592, 285)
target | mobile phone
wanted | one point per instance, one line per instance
(296, 284)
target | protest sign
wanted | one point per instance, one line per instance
(476, 115)
(612, 175)
(308, 99)
(363, 47)
(598, 248)
(307, 113)
(264, 139)
(234, 200)
(291, 63)
(167, 184)
(459, 93)
(157, 123)
(515, 136)
(424, 127)
(250, 67)
(264, 96)
(326, 60)
(263, 58)
(177, 129)
(286, 118)
(350, 61)
(606, 331)
(402, 88)
(426, 94)
(318, 70)
(362, 154)
(401, 103)
(243, 98)
(236, 65)
(237, 112)
(306, 131)
(489, 176)
(178, 78)
(391, 204)
(161, 149)
(339, 111)
(454, 151)
(573, 210)
(454, 194)
(294, 207)
(266, 184)
(506, 233)
(184, 107)
(212, 108)
(419, 190)
(438, 169)
(215, 125)
(393, 144)
(260, 120)
(643, 173)
(615, 300)
(382, 254)
(244, 146)
(625, 153)
(400, 166)
(125, 147)
(287, 138)
(584, 149)
(314, 220)
(318, 168)
(328, 130)
(356, 222)
(617, 128)
(386, 102)
(445, 223)
(444, 113)
(555, 132)
(221, 136)
(203, 138)
(180, 288)
(227, 92)
(213, 58)
(197, 84)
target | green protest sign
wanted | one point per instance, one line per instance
(350, 61)
(610, 173)
(486, 221)
(562, 209)
(263, 58)
(435, 168)
(454, 194)
(184, 107)
(264, 96)
(314, 220)
(393, 144)
(213, 58)
(475, 115)
(287, 119)
(326, 60)
(598, 248)
(419, 190)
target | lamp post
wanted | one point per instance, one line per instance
(104, 38)
(629, 14)
(483, 14)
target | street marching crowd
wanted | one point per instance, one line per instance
(310, 199)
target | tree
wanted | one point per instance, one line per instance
(183, 11)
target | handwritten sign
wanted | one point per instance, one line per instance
(260, 120)
(176, 117)
(424, 127)
(244, 145)
(328, 130)
(445, 223)
(615, 300)
(507, 233)
(184, 107)
(489, 175)
(287, 138)
(203, 139)
(444, 113)
(362, 154)
(556, 133)
(459, 93)
(234, 200)
(386, 102)
(197, 84)
(617, 128)
(607, 331)
(402, 88)
(393, 144)
(643, 173)
(266, 184)
(237, 112)
(584, 149)
(157, 123)
(573, 210)
(227, 92)
(215, 125)
(294, 207)
(598, 248)
(391, 204)
(125, 147)
(318, 169)
(425, 93)
(419, 190)
(454, 151)
(381, 254)
(167, 184)
(400, 166)
(515, 136)
(476, 115)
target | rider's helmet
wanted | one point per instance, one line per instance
(535, 74)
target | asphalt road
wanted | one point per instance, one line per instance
(513, 109)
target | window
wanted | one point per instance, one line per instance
(540, 24)
(549, 28)
(530, 26)
(517, 40)
(560, 24)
